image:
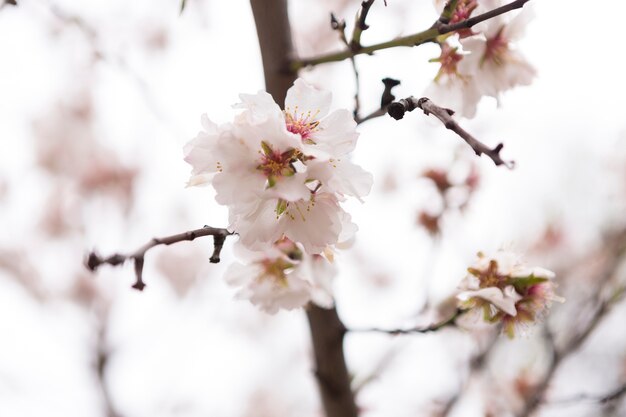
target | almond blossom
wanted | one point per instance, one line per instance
(479, 62)
(282, 276)
(508, 291)
(493, 62)
(282, 173)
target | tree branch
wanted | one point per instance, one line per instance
(94, 261)
(449, 322)
(386, 98)
(428, 35)
(327, 330)
(618, 251)
(399, 108)
(611, 396)
(360, 25)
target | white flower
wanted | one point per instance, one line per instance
(507, 290)
(493, 63)
(503, 300)
(282, 277)
(282, 174)
(315, 223)
(306, 117)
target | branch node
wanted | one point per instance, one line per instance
(218, 243)
(139, 284)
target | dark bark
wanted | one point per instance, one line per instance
(327, 331)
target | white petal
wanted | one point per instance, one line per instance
(314, 224)
(259, 106)
(336, 136)
(341, 176)
(303, 98)
(495, 296)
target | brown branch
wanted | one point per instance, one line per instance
(327, 333)
(94, 261)
(327, 330)
(340, 27)
(101, 362)
(416, 39)
(360, 25)
(472, 21)
(399, 108)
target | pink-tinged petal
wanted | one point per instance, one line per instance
(238, 187)
(315, 224)
(271, 131)
(505, 302)
(259, 226)
(335, 136)
(304, 99)
(341, 176)
(259, 107)
(320, 273)
(348, 231)
(200, 153)
(239, 275)
(516, 28)
(290, 188)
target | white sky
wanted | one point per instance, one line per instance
(204, 353)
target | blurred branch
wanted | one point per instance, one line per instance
(8, 3)
(102, 359)
(476, 365)
(340, 27)
(613, 395)
(94, 261)
(449, 322)
(91, 34)
(617, 250)
(428, 35)
(399, 108)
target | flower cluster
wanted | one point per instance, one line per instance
(506, 290)
(282, 174)
(482, 61)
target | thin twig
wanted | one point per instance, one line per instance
(360, 25)
(387, 98)
(449, 322)
(572, 345)
(613, 395)
(94, 261)
(340, 27)
(477, 364)
(428, 35)
(399, 108)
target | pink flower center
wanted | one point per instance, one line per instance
(463, 11)
(448, 61)
(497, 48)
(490, 276)
(303, 124)
(275, 164)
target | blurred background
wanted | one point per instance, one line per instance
(96, 101)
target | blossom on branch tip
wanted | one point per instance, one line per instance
(283, 175)
(282, 277)
(506, 290)
(493, 62)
